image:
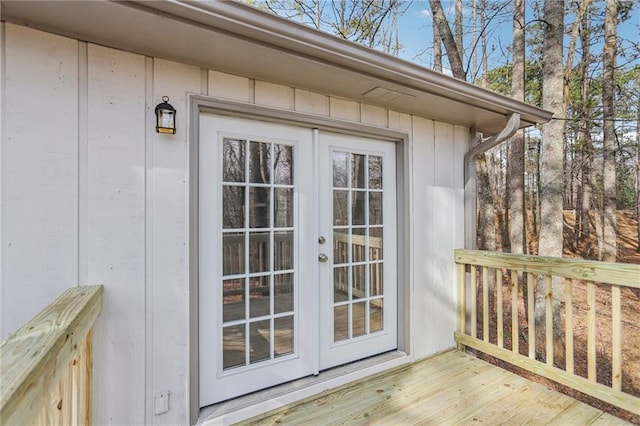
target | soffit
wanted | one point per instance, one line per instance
(237, 39)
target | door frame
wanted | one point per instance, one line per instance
(201, 103)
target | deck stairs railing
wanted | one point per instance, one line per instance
(497, 297)
(45, 367)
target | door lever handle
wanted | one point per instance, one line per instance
(322, 258)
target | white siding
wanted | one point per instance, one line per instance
(91, 194)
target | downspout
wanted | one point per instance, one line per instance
(470, 178)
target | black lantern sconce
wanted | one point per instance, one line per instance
(165, 117)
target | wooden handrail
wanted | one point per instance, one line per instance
(490, 270)
(45, 367)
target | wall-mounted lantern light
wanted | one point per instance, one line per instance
(165, 117)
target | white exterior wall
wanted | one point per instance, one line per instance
(92, 194)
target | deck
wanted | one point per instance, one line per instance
(449, 388)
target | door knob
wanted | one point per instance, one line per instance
(322, 257)
(321, 240)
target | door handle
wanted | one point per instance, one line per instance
(323, 257)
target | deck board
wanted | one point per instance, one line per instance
(450, 388)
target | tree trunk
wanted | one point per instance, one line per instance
(638, 169)
(551, 161)
(437, 48)
(453, 54)
(609, 137)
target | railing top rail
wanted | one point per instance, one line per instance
(43, 346)
(623, 274)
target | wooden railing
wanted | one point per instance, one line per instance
(495, 320)
(45, 367)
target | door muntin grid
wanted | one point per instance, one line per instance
(357, 279)
(258, 253)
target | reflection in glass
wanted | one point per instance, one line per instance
(283, 250)
(283, 336)
(340, 208)
(233, 207)
(233, 300)
(283, 293)
(260, 338)
(359, 319)
(375, 208)
(358, 245)
(233, 346)
(340, 246)
(233, 160)
(340, 284)
(283, 206)
(375, 279)
(340, 323)
(340, 161)
(375, 315)
(259, 296)
(233, 253)
(358, 207)
(375, 243)
(259, 256)
(357, 171)
(259, 208)
(259, 162)
(359, 287)
(375, 172)
(283, 165)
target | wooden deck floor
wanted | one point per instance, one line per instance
(450, 388)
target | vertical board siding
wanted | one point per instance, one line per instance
(312, 103)
(116, 230)
(344, 110)
(39, 172)
(374, 115)
(168, 244)
(273, 95)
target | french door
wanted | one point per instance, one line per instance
(297, 247)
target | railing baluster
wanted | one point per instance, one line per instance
(531, 320)
(515, 335)
(548, 302)
(616, 336)
(499, 319)
(568, 320)
(462, 297)
(485, 304)
(474, 302)
(591, 331)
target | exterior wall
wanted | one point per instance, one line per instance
(91, 194)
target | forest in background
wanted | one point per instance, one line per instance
(571, 186)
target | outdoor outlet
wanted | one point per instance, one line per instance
(161, 402)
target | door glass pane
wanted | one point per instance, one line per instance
(359, 319)
(260, 162)
(233, 346)
(283, 293)
(283, 250)
(259, 296)
(260, 341)
(233, 253)
(358, 171)
(283, 207)
(358, 245)
(259, 253)
(233, 160)
(283, 165)
(233, 201)
(340, 246)
(340, 171)
(233, 307)
(375, 208)
(259, 208)
(358, 207)
(375, 243)
(375, 279)
(375, 172)
(340, 284)
(375, 315)
(340, 323)
(283, 336)
(340, 208)
(359, 288)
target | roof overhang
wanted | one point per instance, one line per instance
(238, 39)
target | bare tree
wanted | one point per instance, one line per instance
(453, 53)
(609, 245)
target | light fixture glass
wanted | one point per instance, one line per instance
(165, 117)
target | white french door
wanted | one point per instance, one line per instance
(270, 309)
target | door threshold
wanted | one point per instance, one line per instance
(256, 403)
